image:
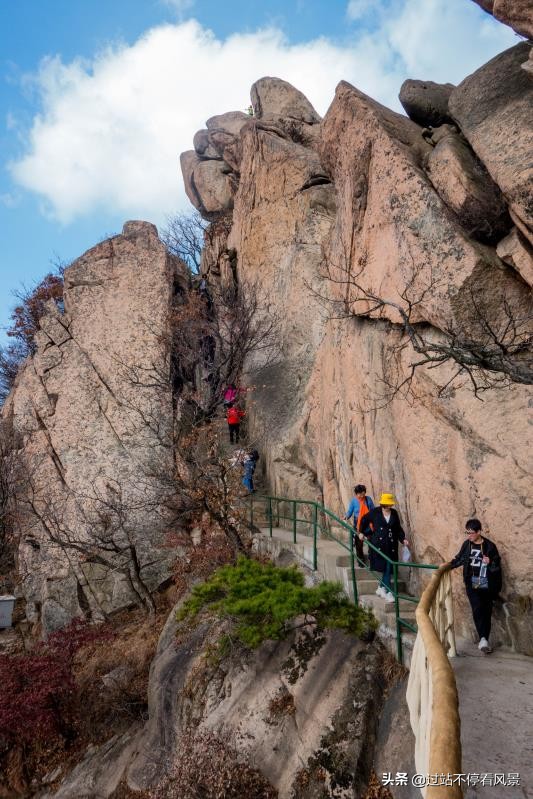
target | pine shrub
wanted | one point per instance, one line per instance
(264, 600)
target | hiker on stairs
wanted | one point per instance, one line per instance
(482, 575)
(384, 530)
(230, 395)
(250, 462)
(234, 417)
(359, 506)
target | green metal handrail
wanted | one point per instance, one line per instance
(316, 510)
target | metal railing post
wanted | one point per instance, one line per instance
(399, 645)
(294, 521)
(270, 515)
(352, 568)
(315, 536)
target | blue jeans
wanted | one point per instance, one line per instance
(387, 574)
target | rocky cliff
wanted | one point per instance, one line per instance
(352, 224)
(91, 416)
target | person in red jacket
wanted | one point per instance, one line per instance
(234, 416)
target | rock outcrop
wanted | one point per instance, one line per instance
(304, 711)
(426, 102)
(518, 14)
(92, 413)
(413, 217)
(494, 109)
(466, 187)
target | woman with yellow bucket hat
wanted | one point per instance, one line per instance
(384, 530)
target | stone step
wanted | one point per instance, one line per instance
(369, 586)
(385, 610)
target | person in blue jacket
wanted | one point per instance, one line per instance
(360, 505)
(250, 462)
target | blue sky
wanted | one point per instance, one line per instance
(99, 97)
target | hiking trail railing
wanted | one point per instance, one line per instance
(432, 691)
(311, 521)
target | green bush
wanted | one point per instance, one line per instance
(262, 600)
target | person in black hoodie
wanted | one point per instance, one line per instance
(482, 575)
(384, 530)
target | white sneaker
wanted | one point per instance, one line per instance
(484, 646)
(388, 597)
(380, 591)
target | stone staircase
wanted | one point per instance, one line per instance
(333, 563)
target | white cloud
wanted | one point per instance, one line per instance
(110, 131)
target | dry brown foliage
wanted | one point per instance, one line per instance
(376, 790)
(201, 559)
(281, 705)
(98, 711)
(209, 768)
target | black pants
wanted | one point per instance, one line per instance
(358, 546)
(234, 432)
(481, 603)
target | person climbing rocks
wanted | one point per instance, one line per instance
(234, 417)
(482, 575)
(359, 506)
(230, 395)
(250, 462)
(384, 530)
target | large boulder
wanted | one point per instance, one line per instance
(518, 14)
(213, 184)
(494, 109)
(202, 145)
(516, 251)
(426, 102)
(224, 136)
(467, 188)
(273, 97)
(207, 183)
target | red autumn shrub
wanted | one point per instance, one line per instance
(37, 686)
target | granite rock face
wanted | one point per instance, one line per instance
(334, 698)
(516, 250)
(272, 97)
(94, 426)
(371, 195)
(466, 187)
(518, 14)
(426, 102)
(494, 109)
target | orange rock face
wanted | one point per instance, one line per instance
(355, 199)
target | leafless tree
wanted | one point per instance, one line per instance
(24, 322)
(97, 527)
(8, 480)
(184, 237)
(489, 351)
(11, 358)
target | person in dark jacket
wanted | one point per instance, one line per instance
(482, 575)
(383, 529)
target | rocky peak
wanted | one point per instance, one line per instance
(431, 213)
(273, 97)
